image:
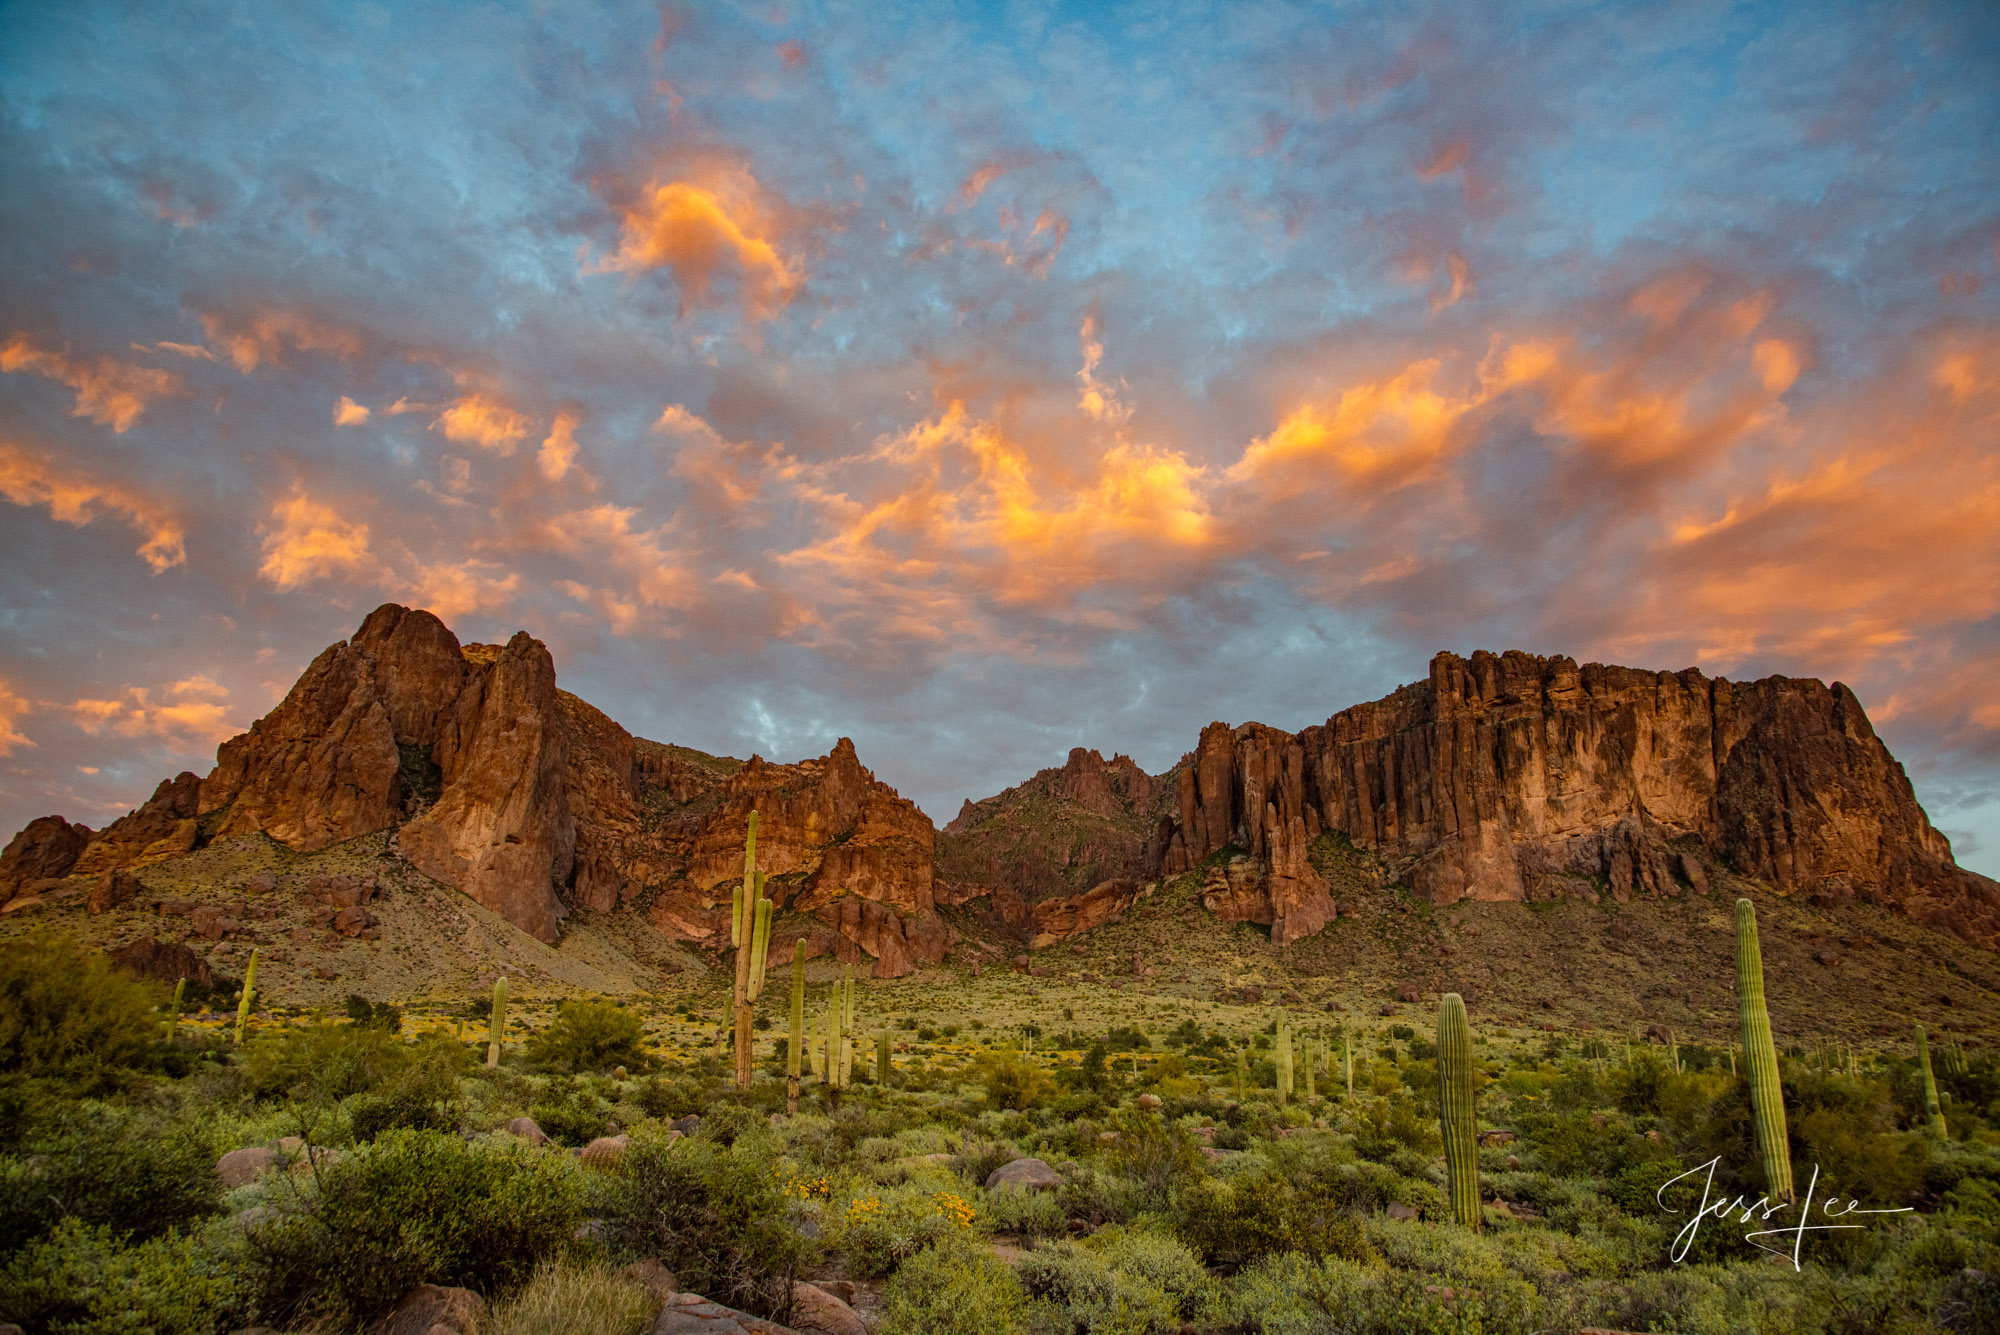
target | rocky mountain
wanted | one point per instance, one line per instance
(523, 797)
(1500, 777)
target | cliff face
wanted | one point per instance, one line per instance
(528, 800)
(1516, 777)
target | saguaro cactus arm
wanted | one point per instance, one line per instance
(1933, 1110)
(497, 1025)
(249, 992)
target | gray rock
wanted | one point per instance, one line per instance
(813, 1308)
(653, 1277)
(1033, 1174)
(527, 1129)
(239, 1167)
(430, 1310)
(1398, 1210)
(692, 1314)
(688, 1125)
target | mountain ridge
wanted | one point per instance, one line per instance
(1498, 777)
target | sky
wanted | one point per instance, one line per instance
(981, 381)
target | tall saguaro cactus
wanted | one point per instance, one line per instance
(1284, 1061)
(174, 1010)
(249, 993)
(1456, 1117)
(1933, 1111)
(1760, 1057)
(750, 933)
(1347, 1054)
(795, 1048)
(496, 1031)
(882, 1063)
(847, 1027)
(1312, 1060)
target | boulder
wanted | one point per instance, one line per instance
(814, 1309)
(692, 1314)
(111, 889)
(239, 1167)
(1030, 1174)
(527, 1129)
(1148, 1102)
(162, 962)
(1398, 1210)
(431, 1310)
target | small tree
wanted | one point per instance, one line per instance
(67, 1009)
(589, 1036)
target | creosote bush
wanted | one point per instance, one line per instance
(954, 1288)
(590, 1036)
(68, 1011)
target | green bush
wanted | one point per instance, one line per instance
(415, 1207)
(321, 1063)
(956, 1288)
(568, 1113)
(1152, 1151)
(86, 1278)
(716, 1216)
(1076, 1292)
(66, 1010)
(589, 1036)
(137, 1173)
(1013, 1083)
(1262, 1212)
(425, 1097)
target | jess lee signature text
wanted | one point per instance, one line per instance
(1760, 1211)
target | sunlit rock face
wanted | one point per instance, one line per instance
(1510, 777)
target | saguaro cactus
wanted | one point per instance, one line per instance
(1242, 1073)
(1456, 1117)
(1347, 1054)
(750, 933)
(882, 1058)
(1284, 1061)
(249, 992)
(1760, 1057)
(174, 1009)
(847, 1027)
(1933, 1112)
(1312, 1060)
(795, 1047)
(496, 1031)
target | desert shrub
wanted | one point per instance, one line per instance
(1076, 1292)
(667, 1099)
(321, 1063)
(566, 1299)
(718, 1218)
(377, 1014)
(954, 1289)
(66, 1010)
(1159, 1260)
(415, 1207)
(137, 1173)
(1152, 1151)
(589, 1036)
(1235, 1221)
(425, 1097)
(879, 1229)
(1013, 1083)
(1384, 1125)
(87, 1278)
(1038, 1214)
(1289, 1294)
(976, 1159)
(568, 1113)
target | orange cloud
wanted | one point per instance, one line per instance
(191, 711)
(74, 497)
(306, 540)
(460, 589)
(12, 707)
(485, 422)
(701, 234)
(349, 413)
(558, 450)
(266, 336)
(107, 391)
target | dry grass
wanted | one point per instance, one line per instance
(574, 1300)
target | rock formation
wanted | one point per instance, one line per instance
(1516, 777)
(525, 798)
(1503, 777)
